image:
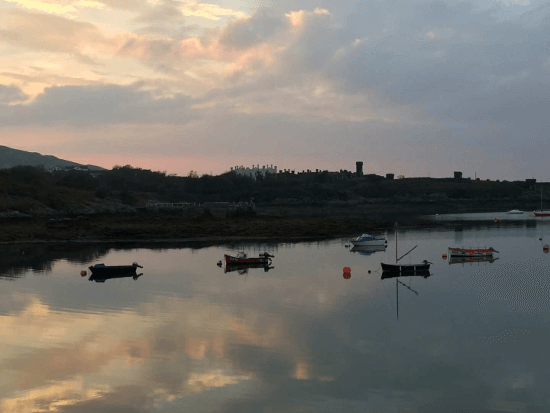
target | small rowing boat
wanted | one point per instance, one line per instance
(241, 258)
(102, 269)
(471, 252)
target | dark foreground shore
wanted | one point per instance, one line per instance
(113, 229)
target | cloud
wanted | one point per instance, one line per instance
(98, 105)
(453, 69)
(246, 32)
(129, 5)
(11, 95)
(50, 33)
(194, 8)
(48, 7)
(439, 55)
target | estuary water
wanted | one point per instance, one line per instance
(186, 336)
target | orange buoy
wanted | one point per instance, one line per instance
(83, 273)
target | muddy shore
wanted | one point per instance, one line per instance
(111, 229)
(273, 222)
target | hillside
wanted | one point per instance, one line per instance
(10, 158)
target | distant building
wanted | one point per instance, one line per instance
(389, 176)
(458, 175)
(255, 170)
(359, 168)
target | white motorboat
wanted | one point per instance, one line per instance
(368, 240)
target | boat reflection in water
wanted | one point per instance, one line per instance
(101, 278)
(396, 274)
(398, 282)
(464, 260)
(243, 268)
(102, 272)
(367, 249)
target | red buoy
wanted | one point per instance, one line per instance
(347, 273)
(83, 273)
(444, 256)
(545, 247)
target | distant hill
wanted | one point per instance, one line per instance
(14, 157)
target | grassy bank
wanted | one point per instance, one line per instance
(140, 229)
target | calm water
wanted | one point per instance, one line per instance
(187, 337)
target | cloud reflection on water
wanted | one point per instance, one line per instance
(202, 340)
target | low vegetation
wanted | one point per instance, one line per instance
(36, 204)
(28, 189)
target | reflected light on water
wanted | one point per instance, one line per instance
(188, 336)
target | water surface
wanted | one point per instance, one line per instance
(186, 336)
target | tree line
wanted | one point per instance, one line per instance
(25, 187)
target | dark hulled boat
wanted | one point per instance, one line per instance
(113, 270)
(404, 268)
(241, 258)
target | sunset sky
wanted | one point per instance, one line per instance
(419, 88)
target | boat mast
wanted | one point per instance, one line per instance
(396, 242)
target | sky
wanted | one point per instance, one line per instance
(414, 88)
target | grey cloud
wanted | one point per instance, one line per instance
(442, 56)
(164, 18)
(11, 94)
(97, 105)
(248, 32)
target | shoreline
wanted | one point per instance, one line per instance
(178, 231)
(173, 229)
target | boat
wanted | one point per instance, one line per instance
(113, 270)
(367, 249)
(541, 212)
(241, 258)
(367, 239)
(471, 260)
(471, 252)
(243, 268)
(404, 268)
(514, 211)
